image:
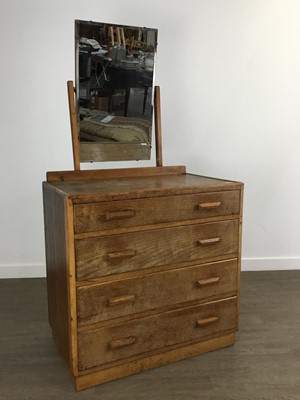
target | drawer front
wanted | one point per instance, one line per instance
(115, 254)
(127, 213)
(121, 341)
(106, 301)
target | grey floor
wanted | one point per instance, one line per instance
(263, 364)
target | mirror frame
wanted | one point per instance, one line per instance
(74, 131)
(95, 151)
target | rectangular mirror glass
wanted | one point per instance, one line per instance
(114, 81)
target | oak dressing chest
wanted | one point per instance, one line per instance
(143, 267)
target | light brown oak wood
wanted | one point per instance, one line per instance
(74, 128)
(145, 265)
(154, 332)
(207, 321)
(209, 206)
(127, 213)
(90, 152)
(118, 343)
(151, 361)
(56, 239)
(115, 301)
(143, 184)
(157, 122)
(157, 290)
(88, 175)
(114, 254)
(208, 281)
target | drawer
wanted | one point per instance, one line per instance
(120, 341)
(119, 253)
(127, 213)
(106, 301)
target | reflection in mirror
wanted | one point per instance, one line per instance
(114, 81)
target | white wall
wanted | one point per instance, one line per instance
(230, 83)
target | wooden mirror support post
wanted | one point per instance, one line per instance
(74, 128)
(157, 125)
(75, 133)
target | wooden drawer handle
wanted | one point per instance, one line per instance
(118, 343)
(114, 301)
(209, 281)
(207, 321)
(120, 255)
(208, 242)
(119, 214)
(209, 206)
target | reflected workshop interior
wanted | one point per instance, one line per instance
(114, 74)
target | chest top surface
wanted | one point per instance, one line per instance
(137, 187)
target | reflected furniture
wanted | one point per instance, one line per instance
(127, 79)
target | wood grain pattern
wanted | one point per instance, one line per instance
(74, 128)
(117, 300)
(55, 207)
(61, 176)
(119, 214)
(92, 152)
(119, 343)
(128, 213)
(83, 189)
(71, 281)
(152, 361)
(240, 256)
(154, 248)
(147, 270)
(157, 126)
(154, 332)
(207, 321)
(150, 292)
(210, 205)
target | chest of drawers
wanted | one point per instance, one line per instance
(142, 269)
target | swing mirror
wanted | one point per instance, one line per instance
(114, 80)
